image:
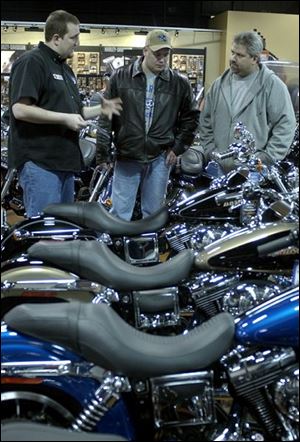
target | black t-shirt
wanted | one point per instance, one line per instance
(43, 76)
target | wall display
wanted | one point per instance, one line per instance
(9, 54)
(191, 63)
(85, 63)
(91, 63)
(88, 84)
(131, 55)
(113, 58)
(4, 89)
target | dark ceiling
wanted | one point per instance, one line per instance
(181, 14)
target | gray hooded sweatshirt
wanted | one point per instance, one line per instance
(267, 113)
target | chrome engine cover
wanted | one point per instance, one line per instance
(185, 236)
(263, 378)
(286, 394)
(246, 295)
(214, 292)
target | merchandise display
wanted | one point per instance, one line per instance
(85, 63)
(88, 84)
(4, 89)
(192, 64)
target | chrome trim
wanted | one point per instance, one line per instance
(248, 370)
(148, 242)
(286, 394)
(106, 296)
(45, 368)
(51, 284)
(183, 399)
(104, 399)
(156, 308)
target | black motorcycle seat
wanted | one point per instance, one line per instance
(94, 216)
(192, 160)
(101, 336)
(93, 260)
(29, 431)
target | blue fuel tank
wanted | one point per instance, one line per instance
(275, 322)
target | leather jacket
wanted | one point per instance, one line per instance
(175, 118)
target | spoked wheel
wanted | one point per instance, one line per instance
(34, 406)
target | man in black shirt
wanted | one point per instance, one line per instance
(47, 115)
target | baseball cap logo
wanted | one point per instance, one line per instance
(162, 37)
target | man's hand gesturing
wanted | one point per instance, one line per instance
(111, 107)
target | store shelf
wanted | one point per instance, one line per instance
(85, 63)
(191, 63)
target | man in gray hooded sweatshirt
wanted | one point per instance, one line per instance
(250, 93)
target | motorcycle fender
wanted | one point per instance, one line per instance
(20, 350)
(40, 281)
(37, 276)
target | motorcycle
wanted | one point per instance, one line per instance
(230, 203)
(24, 277)
(227, 274)
(81, 367)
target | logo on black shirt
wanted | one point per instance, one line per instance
(58, 77)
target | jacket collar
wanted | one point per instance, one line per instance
(137, 70)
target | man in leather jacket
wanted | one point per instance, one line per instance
(159, 123)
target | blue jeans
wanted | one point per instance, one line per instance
(42, 187)
(153, 181)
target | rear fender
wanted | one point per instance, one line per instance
(24, 280)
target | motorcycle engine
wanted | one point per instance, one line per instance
(245, 295)
(286, 395)
(268, 382)
(184, 236)
(214, 293)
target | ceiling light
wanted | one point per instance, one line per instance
(140, 32)
(34, 29)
